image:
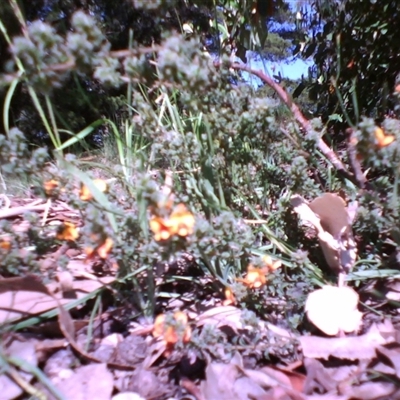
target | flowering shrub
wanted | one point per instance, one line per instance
(204, 169)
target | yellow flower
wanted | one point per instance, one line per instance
(85, 194)
(180, 222)
(67, 231)
(382, 139)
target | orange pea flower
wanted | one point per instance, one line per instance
(172, 332)
(161, 228)
(50, 186)
(5, 245)
(229, 297)
(102, 250)
(270, 264)
(105, 249)
(257, 277)
(382, 139)
(67, 231)
(180, 222)
(85, 194)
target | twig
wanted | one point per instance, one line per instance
(46, 212)
(192, 388)
(13, 212)
(255, 221)
(130, 52)
(299, 117)
(6, 201)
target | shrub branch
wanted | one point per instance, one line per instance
(299, 117)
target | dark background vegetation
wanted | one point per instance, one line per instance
(354, 47)
(82, 100)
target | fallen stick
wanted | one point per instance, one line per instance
(13, 212)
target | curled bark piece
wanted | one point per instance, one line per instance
(331, 219)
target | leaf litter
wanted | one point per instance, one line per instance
(345, 358)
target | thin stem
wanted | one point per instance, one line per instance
(53, 122)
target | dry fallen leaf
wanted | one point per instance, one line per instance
(222, 316)
(392, 355)
(128, 396)
(372, 391)
(350, 348)
(333, 309)
(89, 382)
(318, 378)
(24, 297)
(226, 382)
(25, 351)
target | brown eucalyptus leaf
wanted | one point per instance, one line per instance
(351, 348)
(24, 297)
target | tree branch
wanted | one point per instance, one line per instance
(299, 117)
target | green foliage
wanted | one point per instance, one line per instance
(62, 46)
(276, 48)
(356, 55)
(185, 132)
